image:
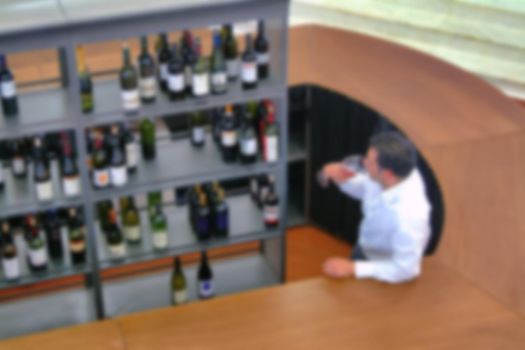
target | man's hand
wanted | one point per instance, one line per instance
(337, 172)
(339, 267)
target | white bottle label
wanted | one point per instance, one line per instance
(8, 89)
(272, 149)
(132, 233)
(218, 79)
(271, 213)
(263, 58)
(164, 71)
(148, 87)
(38, 257)
(101, 177)
(19, 165)
(11, 268)
(131, 100)
(180, 296)
(201, 84)
(132, 154)
(249, 72)
(71, 186)
(160, 240)
(249, 147)
(118, 251)
(77, 246)
(229, 138)
(188, 74)
(44, 191)
(119, 175)
(232, 67)
(176, 82)
(206, 289)
(198, 134)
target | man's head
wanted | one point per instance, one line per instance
(390, 158)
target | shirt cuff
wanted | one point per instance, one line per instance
(364, 269)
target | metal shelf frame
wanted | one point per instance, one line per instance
(68, 27)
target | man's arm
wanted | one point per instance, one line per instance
(348, 182)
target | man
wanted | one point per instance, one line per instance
(395, 228)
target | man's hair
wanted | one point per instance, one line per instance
(394, 152)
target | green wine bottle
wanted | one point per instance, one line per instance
(147, 138)
(129, 83)
(179, 289)
(132, 223)
(159, 228)
(86, 84)
(114, 237)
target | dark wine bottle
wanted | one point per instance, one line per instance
(118, 170)
(101, 177)
(77, 237)
(219, 78)
(132, 150)
(147, 79)
(200, 73)
(18, 159)
(248, 142)
(159, 226)
(229, 138)
(42, 175)
(86, 84)
(70, 174)
(53, 235)
(189, 56)
(249, 65)
(271, 207)
(129, 83)
(147, 138)
(164, 57)
(231, 54)
(176, 79)
(203, 218)
(114, 236)
(262, 48)
(205, 278)
(271, 135)
(7, 89)
(220, 214)
(198, 128)
(10, 262)
(37, 255)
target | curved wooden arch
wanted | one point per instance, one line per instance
(472, 136)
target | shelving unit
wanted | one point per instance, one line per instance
(71, 23)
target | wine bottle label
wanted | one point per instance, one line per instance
(38, 257)
(77, 246)
(132, 154)
(71, 186)
(218, 80)
(271, 213)
(249, 72)
(206, 289)
(229, 138)
(176, 82)
(11, 267)
(180, 297)
(131, 99)
(272, 149)
(198, 134)
(101, 177)
(118, 250)
(8, 89)
(132, 233)
(164, 71)
(119, 175)
(19, 165)
(44, 191)
(232, 67)
(160, 239)
(188, 75)
(148, 87)
(201, 84)
(249, 147)
(263, 58)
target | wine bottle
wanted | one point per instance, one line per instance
(264, 189)
(123, 205)
(262, 48)
(249, 65)
(179, 289)
(86, 84)
(189, 56)
(18, 159)
(271, 135)
(42, 175)
(193, 203)
(203, 218)
(10, 262)
(220, 214)
(70, 174)
(164, 58)
(229, 140)
(176, 79)
(147, 138)
(132, 223)
(7, 89)
(198, 128)
(154, 199)
(103, 209)
(147, 80)
(53, 235)
(118, 170)
(159, 228)
(271, 207)
(101, 177)
(231, 54)
(77, 237)
(216, 120)
(205, 278)
(200, 73)
(129, 83)
(115, 239)
(37, 254)
(248, 141)
(219, 79)
(132, 150)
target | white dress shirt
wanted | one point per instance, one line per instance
(395, 228)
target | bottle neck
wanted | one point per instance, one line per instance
(260, 29)
(3, 63)
(144, 45)
(126, 56)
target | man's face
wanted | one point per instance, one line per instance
(371, 165)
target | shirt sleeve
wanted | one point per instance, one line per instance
(355, 186)
(405, 263)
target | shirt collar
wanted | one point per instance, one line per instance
(392, 194)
